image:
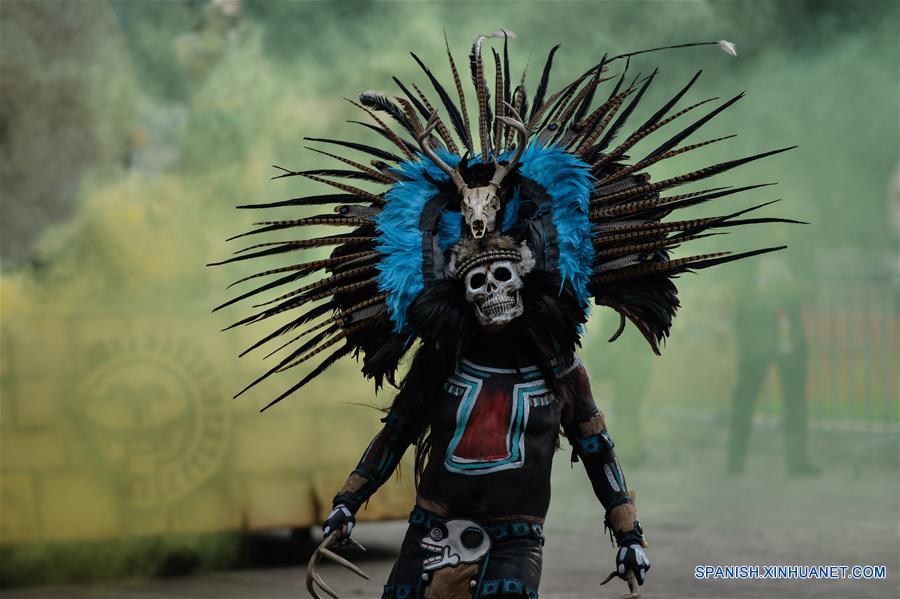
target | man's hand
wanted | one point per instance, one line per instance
(632, 557)
(341, 518)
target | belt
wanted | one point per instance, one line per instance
(499, 531)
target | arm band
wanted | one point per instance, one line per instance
(592, 444)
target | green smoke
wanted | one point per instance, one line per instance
(129, 130)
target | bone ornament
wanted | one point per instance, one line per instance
(455, 542)
(479, 205)
(494, 291)
(492, 270)
(479, 208)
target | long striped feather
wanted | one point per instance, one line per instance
(308, 268)
(499, 108)
(376, 175)
(415, 101)
(455, 117)
(377, 152)
(642, 164)
(457, 82)
(696, 175)
(675, 140)
(644, 132)
(440, 127)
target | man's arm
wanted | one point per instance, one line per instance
(586, 430)
(374, 469)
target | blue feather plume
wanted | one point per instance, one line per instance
(565, 178)
(568, 181)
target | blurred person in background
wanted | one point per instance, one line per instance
(769, 330)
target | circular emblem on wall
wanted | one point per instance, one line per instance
(152, 414)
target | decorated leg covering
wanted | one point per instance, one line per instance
(514, 569)
(510, 567)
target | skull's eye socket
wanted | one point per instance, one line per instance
(477, 280)
(471, 538)
(502, 274)
(436, 534)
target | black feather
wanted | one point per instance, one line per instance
(307, 268)
(589, 98)
(659, 114)
(282, 330)
(697, 175)
(271, 285)
(316, 200)
(538, 100)
(269, 252)
(407, 145)
(452, 110)
(381, 102)
(377, 152)
(618, 86)
(323, 365)
(623, 116)
(331, 172)
(289, 246)
(674, 141)
(413, 99)
(632, 209)
(687, 202)
(730, 258)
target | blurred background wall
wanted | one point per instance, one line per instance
(129, 130)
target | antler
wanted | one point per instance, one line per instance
(633, 591)
(516, 123)
(314, 579)
(425, 144)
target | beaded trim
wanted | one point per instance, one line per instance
(485, 257)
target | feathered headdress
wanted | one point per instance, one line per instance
(550, 171)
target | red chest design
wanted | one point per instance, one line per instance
(491, 417)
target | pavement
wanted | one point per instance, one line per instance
(694, 515)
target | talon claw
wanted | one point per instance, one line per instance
(314, 581)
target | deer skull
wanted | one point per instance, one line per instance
(479, 207)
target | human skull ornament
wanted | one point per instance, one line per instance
(479, 208)
(455, 542)
(494, 289)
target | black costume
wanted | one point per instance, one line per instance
(494, 431)
(484, 259)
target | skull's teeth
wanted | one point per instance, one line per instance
(499, 308)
